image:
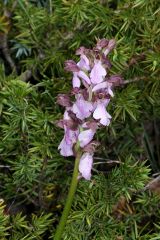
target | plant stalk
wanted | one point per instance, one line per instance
(69, 200)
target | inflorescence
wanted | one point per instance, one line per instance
(92, 91)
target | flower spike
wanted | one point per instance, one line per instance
(92, 89)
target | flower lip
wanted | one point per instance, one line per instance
(85, 165)
(102, 115)
(86, 137)
(98, 72)
(82, 108)
(65, 148)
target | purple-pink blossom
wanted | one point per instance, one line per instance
(85, 165)
(85, 106)
(98, 73)
(102, 115)
(82, 108)
(85, 137)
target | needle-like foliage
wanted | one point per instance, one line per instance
(119, 203)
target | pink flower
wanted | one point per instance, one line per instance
(70, 135)
(66, 145)
(82, 108)
(65, 148)
(84, 63)
(85, 165)
(102, 115)
(98, 73)
(85, 137)
(104, 85)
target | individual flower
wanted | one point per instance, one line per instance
(84, 62)
(82, 108)
(85, 137)
(104, 85)
(101, 114)
(78, 74)
(98, 73)
(85, 165)
(66, 149)
(70, 136)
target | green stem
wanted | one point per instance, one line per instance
(69, 200)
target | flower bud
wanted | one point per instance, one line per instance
(64, 100)
(71, 66)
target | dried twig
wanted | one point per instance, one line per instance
(136, 79)
(4, 38)
(154, 185)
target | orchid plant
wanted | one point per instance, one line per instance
(85, 111)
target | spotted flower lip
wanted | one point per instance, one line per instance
(85, 106)
(66, 149)
(98, 73)
(84, 63)
(82, 108)
(86, 137)
(85, 165)
(102, 115)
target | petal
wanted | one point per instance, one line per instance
(82, 108)
(84, 63)
(101, 114)
(110, 92)
(85, 137)
(98, 73)
(104, 85)
(66, 115)
(85, 165)
(65, 149)
(84, 76)
(70, 135)
(100, 86)
(76, 81)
